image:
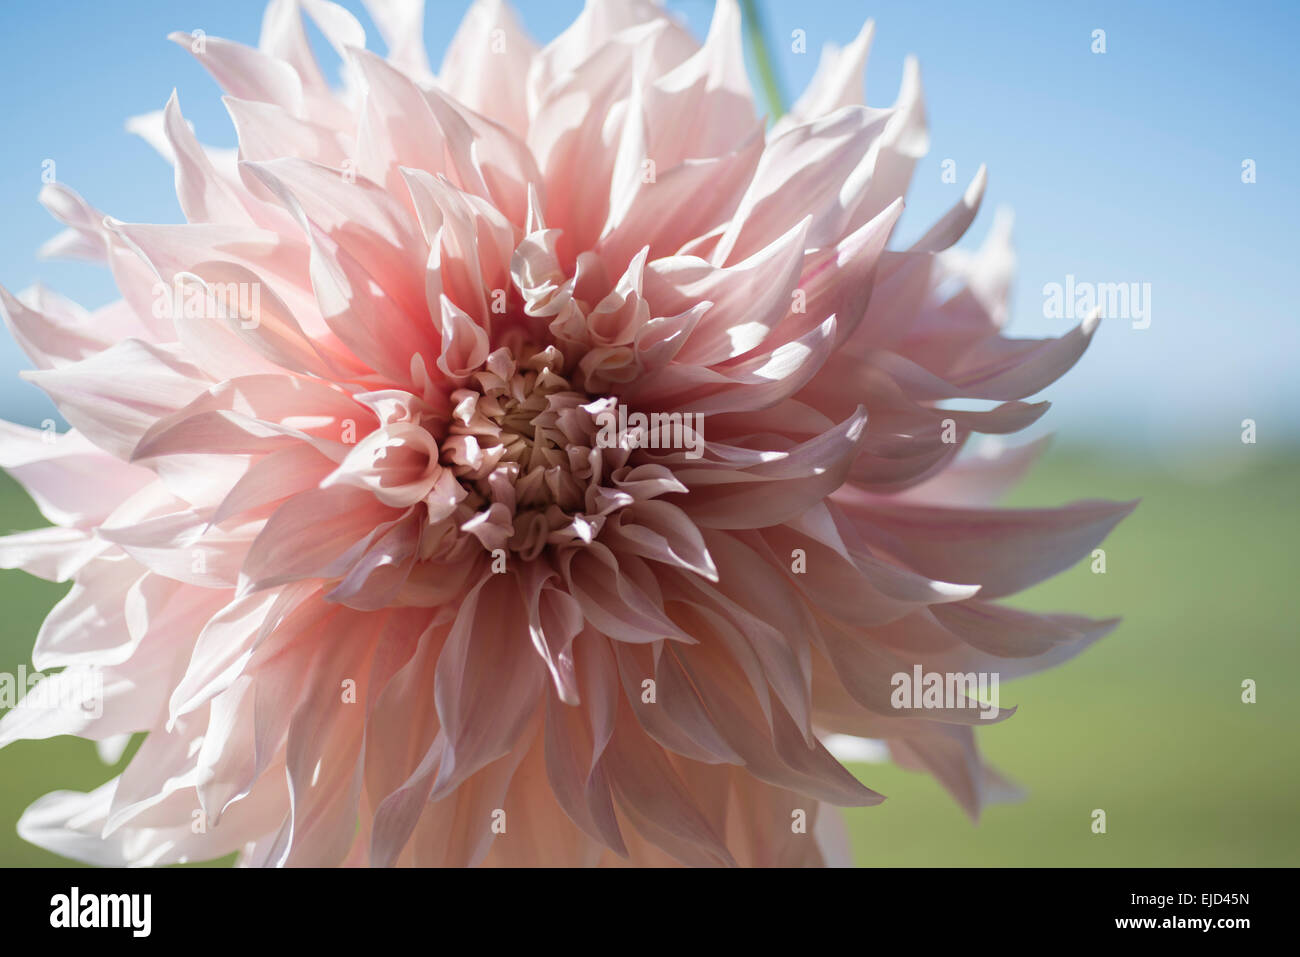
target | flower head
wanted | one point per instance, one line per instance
(527, 464)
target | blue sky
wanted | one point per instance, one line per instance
(1120, 167)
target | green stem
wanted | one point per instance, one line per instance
(758, 47)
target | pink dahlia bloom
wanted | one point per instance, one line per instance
(354, 543)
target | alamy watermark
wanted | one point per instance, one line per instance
(133, 912)
(946, 690)
(79, 692)
(193, 298)
(1116, 300)
(654, 430)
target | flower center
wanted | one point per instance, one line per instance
(522, 447)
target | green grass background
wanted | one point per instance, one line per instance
(1148, 725)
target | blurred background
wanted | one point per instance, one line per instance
(1124, 166)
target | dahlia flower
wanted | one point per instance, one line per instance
(350, 542)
